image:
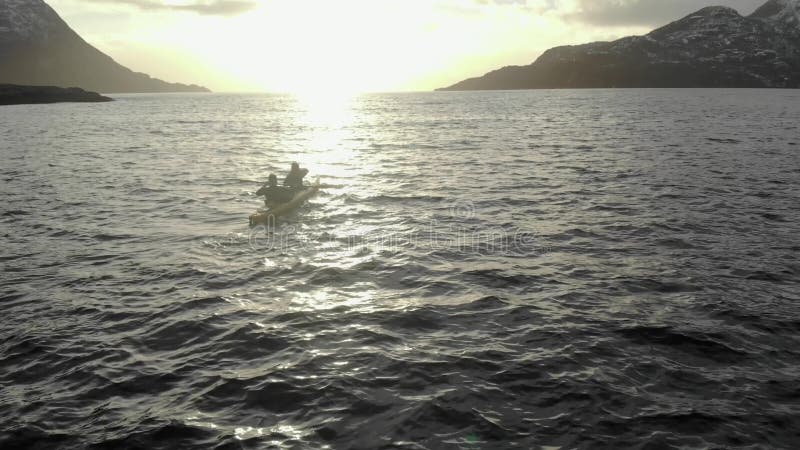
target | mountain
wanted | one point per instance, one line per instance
(786, 12)
(38, 48)
(714, 47)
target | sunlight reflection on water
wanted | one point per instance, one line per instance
(326, 141)
(658, 240)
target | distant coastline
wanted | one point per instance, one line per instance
(38, 48)
(715, 47)
(14, 94)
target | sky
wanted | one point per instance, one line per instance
(352, 45)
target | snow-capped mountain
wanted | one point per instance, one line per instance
(786, 12)
(24, 19)
(38, 48)
(714, 47)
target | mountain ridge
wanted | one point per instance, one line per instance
(785, 11)
(38, 48)
(712, 47)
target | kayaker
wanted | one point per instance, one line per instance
(274, 194)
(294, 180)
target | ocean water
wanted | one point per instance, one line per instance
(534, 270)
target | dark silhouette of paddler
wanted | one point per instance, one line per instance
(273, 194)
(294, 180)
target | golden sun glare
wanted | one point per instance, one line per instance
(314, 48)
(352, 46)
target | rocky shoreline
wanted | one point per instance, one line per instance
(12, 94)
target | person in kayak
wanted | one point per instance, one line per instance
(294, 180)
(273, 194)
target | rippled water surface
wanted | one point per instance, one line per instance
(553, 269)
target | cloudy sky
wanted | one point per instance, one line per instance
(353, 45)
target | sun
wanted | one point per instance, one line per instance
(333, 48)
(314, 47)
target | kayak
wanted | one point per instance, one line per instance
(265, 217)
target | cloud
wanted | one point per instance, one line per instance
(647, 12)
(503, 2)
(210, 7)
(610, 13)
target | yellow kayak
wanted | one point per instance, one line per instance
(262, 217)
